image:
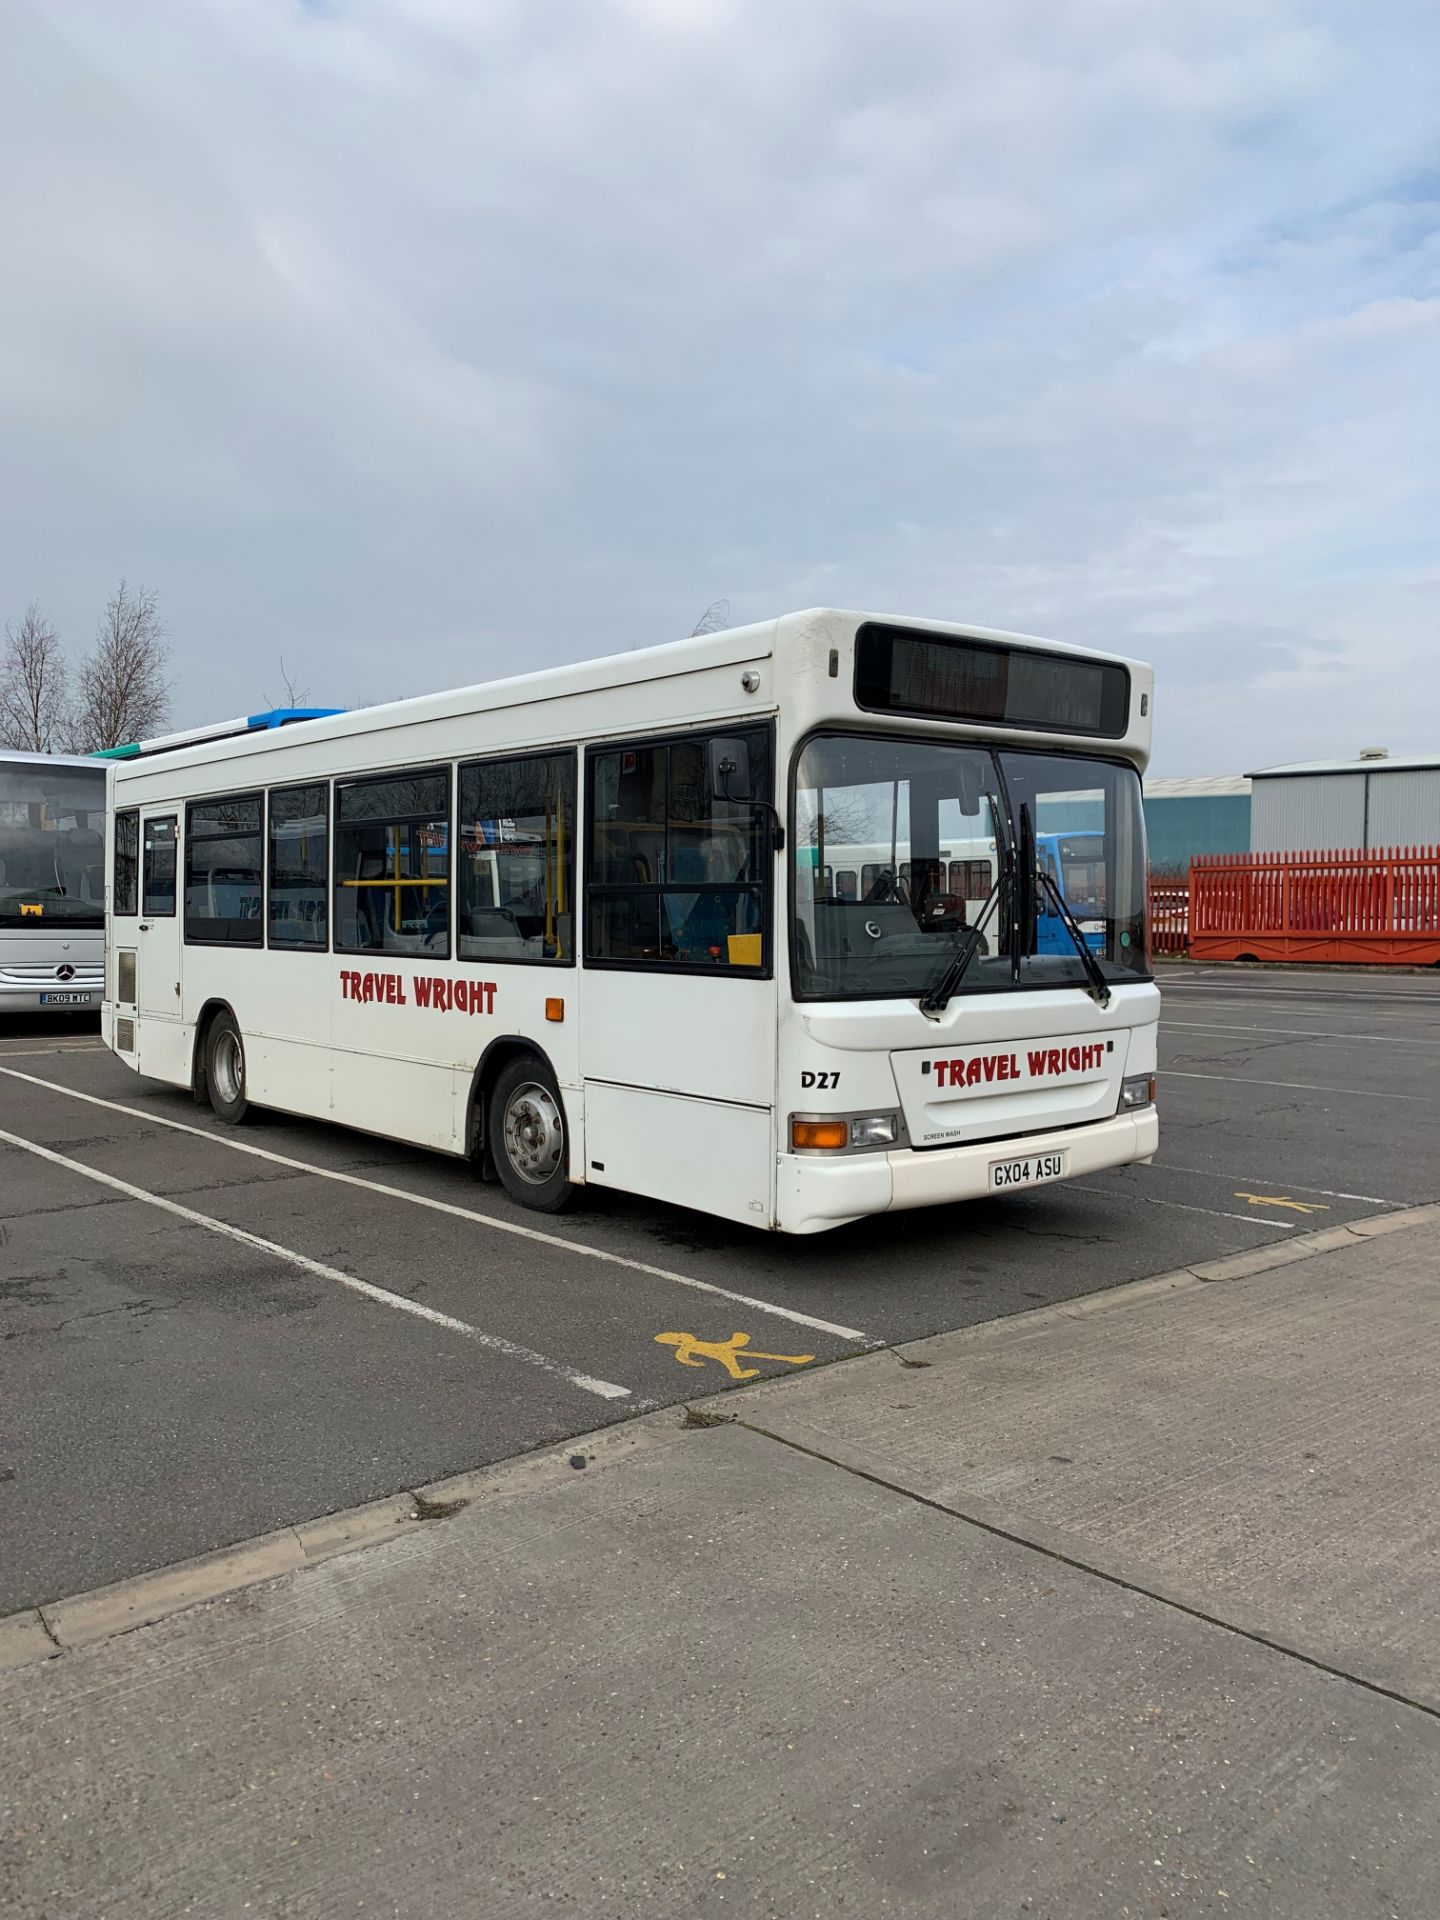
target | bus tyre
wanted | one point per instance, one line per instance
(225, 1069)
(525, 1134)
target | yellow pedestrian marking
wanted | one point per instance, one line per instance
(728, 1352)
(1282, 1200)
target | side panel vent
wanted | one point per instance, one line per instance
(125, 1036)
(125, 978)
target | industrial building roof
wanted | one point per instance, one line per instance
(1385, 763)
(1206, 784)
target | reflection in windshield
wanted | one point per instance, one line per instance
(900, 843)
(52, 844)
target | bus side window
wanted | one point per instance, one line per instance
(222, 871)
(127, 862)
(157, 887)
(516, 873)
(299, 842)
(392, 863)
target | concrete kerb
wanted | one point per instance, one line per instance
(56, 1627)
(59, 1626)
(1132, 1293)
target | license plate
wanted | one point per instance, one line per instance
(65, 999)
(1033, 1171)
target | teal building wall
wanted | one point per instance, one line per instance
(1177, 826)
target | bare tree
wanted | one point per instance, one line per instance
(295, 694)
(124, 690)
(34, 685)
(845, 822)
(715, 619)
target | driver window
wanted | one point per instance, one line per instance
(676, 878)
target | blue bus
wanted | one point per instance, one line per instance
(1076, 864)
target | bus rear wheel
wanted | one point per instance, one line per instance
(225, 1069)
(525, 1132)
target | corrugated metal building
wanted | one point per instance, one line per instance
(1317, 806)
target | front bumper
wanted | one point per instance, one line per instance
(25, 996)
(815, 1193)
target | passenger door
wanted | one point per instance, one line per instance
(678, 1028)
(158, 945)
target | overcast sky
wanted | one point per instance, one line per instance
(425, 340)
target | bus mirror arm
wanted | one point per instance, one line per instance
(724, 771)
(777, 830)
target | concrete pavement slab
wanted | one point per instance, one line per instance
(705, 1675)
(1266, 1450)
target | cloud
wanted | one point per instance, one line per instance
(419, 341)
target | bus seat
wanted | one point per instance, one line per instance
(840, 926)
(492, 923)
(352, 924)
(81, 856)
(804, 953)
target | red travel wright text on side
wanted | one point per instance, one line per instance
(429, 989)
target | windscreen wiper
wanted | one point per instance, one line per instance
(937, 998)
(1099, 986)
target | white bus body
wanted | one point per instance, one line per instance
(52, 883)
(546, 922)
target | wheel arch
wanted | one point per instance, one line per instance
(504, 1048)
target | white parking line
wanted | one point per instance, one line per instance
(48, 1053)
(1365, 994)
(606, 1389)
(1297, 1086)
(1300, 1033)
(1291, 1186)
(458, 1212)
(1182, 1206)
(1338, 1003)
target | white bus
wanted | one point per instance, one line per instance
(584, 925)
(52, 883)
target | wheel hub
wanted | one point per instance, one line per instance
(229, 1068)
(534, 1134)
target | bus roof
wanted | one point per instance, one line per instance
(216, 730)
(730, 646)
(8, 754)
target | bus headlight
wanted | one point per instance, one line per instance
(843, 1132)
(1137, 1091)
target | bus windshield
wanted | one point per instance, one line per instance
(52, 845)
(903, 852)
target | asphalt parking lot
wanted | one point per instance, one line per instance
(208, 1333)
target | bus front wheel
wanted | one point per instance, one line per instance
(525, 1133)
(225, 1069)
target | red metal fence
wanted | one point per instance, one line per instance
(1378, 906)
(1169, 914)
